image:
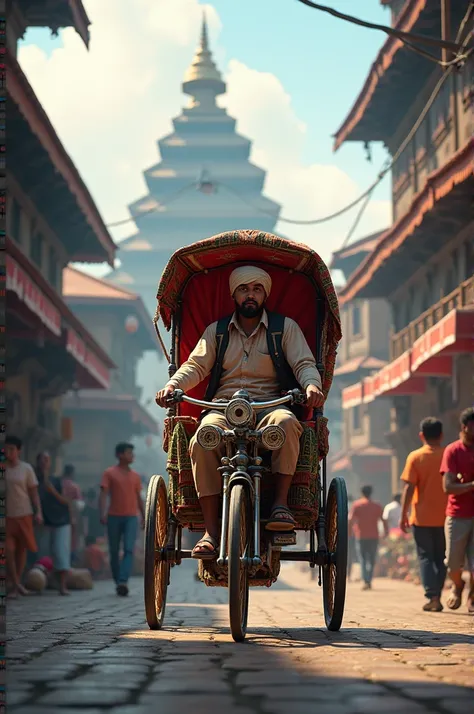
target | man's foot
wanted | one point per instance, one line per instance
(433, 605)
(281, 519)
(122, 589)
(63, 591)
(470, 601)
(206, 549)
(13, 594)
(366, 586)
(455, 598)
(22, 590)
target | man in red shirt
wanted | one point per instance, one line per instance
(457, 468)
(364, 518)
(123, 487)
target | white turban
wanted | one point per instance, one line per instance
(249, 274)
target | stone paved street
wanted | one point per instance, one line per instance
(93, 653)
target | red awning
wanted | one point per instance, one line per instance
(30, 287)
(86, 360)
(28, 292)
(454, 334)
(352, 396)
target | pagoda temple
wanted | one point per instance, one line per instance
(203, 185)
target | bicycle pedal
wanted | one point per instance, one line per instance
(284, 538)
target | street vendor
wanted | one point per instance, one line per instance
(238, 354)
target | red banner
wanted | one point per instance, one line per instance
(86, 358)
(19, 283)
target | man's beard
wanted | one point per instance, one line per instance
(249, 309)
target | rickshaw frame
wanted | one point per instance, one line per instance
(168, 553)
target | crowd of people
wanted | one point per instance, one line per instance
(437, 504)
(47, 518)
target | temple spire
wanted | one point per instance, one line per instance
(204, 35)
(203, 76)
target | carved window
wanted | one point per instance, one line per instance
(53, 268)
(356, 320)
(15, 223)
(356, 416)
(37, 249)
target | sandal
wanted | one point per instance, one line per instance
(281, 520)
(208, 553)
(455, 599)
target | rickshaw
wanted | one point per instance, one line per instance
(193, 293)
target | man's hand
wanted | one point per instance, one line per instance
(314, 396)
(39, 520)
(404, 524)
(103, 519)
(162, 396)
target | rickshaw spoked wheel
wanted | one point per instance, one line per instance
(238, 547)
(157, 571)
(335, 572)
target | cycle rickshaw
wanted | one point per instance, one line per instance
(193, 293)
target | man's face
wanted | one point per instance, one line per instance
(127, 456)
(468, 432)
(12, 453)
(250, 299)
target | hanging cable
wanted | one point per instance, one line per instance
(406, 37)
(366, 194)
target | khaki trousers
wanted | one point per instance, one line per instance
(204, 463)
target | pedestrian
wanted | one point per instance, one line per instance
(364, 518)
(93, 528)
(457, 468)
(392, 511)
(123, 487)
(56, 536)
(94, 558)
(22, 501)
(351, 544)
(423, 493)
(72, 492)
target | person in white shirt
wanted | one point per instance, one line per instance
(392, 511)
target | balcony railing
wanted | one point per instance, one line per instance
(461, 297)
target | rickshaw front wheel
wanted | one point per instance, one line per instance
(238, 548)
(157, 570)
(335, 572)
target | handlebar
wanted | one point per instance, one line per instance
(293, 397)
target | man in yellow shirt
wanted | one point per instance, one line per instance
(424, 493)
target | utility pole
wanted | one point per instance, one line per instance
(452, 83)
(446, 54)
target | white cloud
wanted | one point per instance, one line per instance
(111, 104)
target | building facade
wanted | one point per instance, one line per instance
(119, 322)
(51, 220)
(424, 264)
(362, 455)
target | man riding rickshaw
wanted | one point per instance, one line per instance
(254, 327)
(264, 354)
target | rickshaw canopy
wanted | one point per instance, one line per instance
(194, 290)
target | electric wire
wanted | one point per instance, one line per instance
(450, 67)
(408, 38)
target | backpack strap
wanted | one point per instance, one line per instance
(276, 326)
(222, 341)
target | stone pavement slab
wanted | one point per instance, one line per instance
(93, 653)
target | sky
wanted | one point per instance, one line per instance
(292, 75)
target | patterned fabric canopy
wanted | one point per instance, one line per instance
(194, 285)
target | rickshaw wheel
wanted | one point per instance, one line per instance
(156, 571)
(239, 543)
(335, 573)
